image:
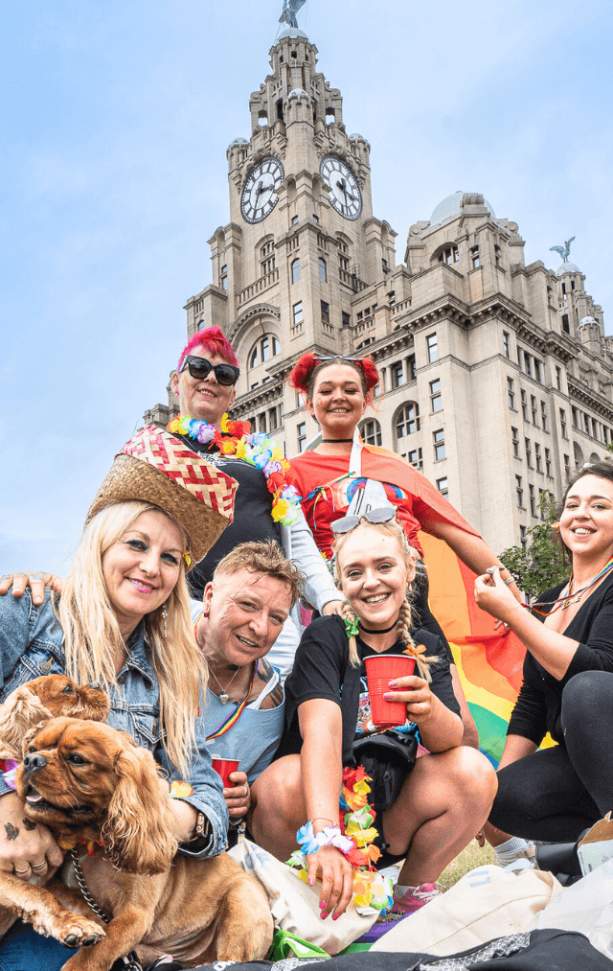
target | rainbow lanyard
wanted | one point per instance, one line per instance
(568, 597)
(232, 719)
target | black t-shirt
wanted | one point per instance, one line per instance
(252, 514)
(322, 670)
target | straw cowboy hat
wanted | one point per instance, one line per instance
(154, 466)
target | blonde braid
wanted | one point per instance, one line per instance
(350, 617)
(422, 661)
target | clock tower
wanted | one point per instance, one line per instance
(302, 242)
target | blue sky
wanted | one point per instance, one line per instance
(116, 117)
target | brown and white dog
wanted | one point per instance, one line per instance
(86, 780)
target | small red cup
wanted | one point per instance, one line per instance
(380, 670)
(224, 767)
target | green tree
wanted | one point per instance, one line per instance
(541, 562)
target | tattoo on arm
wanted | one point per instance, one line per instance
(12, 832)
(28, 823)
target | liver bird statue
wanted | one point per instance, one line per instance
(290, 9)
(564, 251)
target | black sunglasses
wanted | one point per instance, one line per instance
(383, 514)
(200, 368)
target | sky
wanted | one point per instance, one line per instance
(116, 116)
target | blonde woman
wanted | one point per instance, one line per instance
(123, 621)
(428, 810)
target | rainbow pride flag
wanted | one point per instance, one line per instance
(489, 660)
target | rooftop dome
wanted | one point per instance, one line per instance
(293, 32)
(566, 267)
(585, 321)
(452, 206)
(239, 141)
(297, 93)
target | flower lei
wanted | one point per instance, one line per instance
(355, 839)
(235, 438)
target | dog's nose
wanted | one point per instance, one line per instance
(32, 763)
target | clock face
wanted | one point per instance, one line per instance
(345, 194)
(260, 191)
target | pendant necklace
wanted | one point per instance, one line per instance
(224, 697)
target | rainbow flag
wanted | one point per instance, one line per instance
(489, 660)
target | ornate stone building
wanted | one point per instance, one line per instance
(496, 374)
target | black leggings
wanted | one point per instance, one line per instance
(556, 793)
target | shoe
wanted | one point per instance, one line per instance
(414, 898)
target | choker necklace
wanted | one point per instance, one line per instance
(380, 630)
(335, 441)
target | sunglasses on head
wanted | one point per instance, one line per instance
(200, 368)
(383, 514)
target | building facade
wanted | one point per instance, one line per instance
(496, 375)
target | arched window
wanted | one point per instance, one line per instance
(448, 254)
(267, 255)
(406, 421)
(223, 277)
(578, 455)
(263, 350)
(295, 270)
(323, 270)
(370, 429)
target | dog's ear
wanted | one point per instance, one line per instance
(138, 831)
(22, 711)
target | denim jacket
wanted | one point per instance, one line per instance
(31, 644)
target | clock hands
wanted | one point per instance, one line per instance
(342, 185)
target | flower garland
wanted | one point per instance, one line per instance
(355, 840)
(235, 438)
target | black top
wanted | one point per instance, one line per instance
(252, 514)
(322, 670)
(537, 709)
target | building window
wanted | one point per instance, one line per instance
(415, 458)
(273, 418)
(302, 436)
(511, 393)
(519, 492)
(548, 463)
(345, 319)
(267, 256)
(528, 364)
(325, 312)
(411, 368)
(539, 369)
(436, 395)
(442, 485)
(449, 255)
(407, 420)
(295, 271)
(506, 343)
(323, 270)
(558, 377)
(370, 429)
(297, 315)
(524, 405)
(566, 467)
(263, 350)
(498, 254)
(523, 536)
(544, 416)
(432, 348)
(533, 509)
(223, 277)
(295, 220)
(475, 259)
(538, 458)
(397, 374)
(565, 324)
(544, 500)
(385, 267)
(438, 440)
(515, 442)
(528, 446)
(534, 410)
(563, 428)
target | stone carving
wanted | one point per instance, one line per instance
(290, 9)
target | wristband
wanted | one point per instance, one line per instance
(310, 842)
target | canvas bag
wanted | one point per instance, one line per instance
(486, 903)
(295, 905)
(586, 906)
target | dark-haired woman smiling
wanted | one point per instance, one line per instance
(555, 793)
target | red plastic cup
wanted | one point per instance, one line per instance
(380, 670)
(224, 767)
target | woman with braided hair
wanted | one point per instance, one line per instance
(428, 808)
(343, 475)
